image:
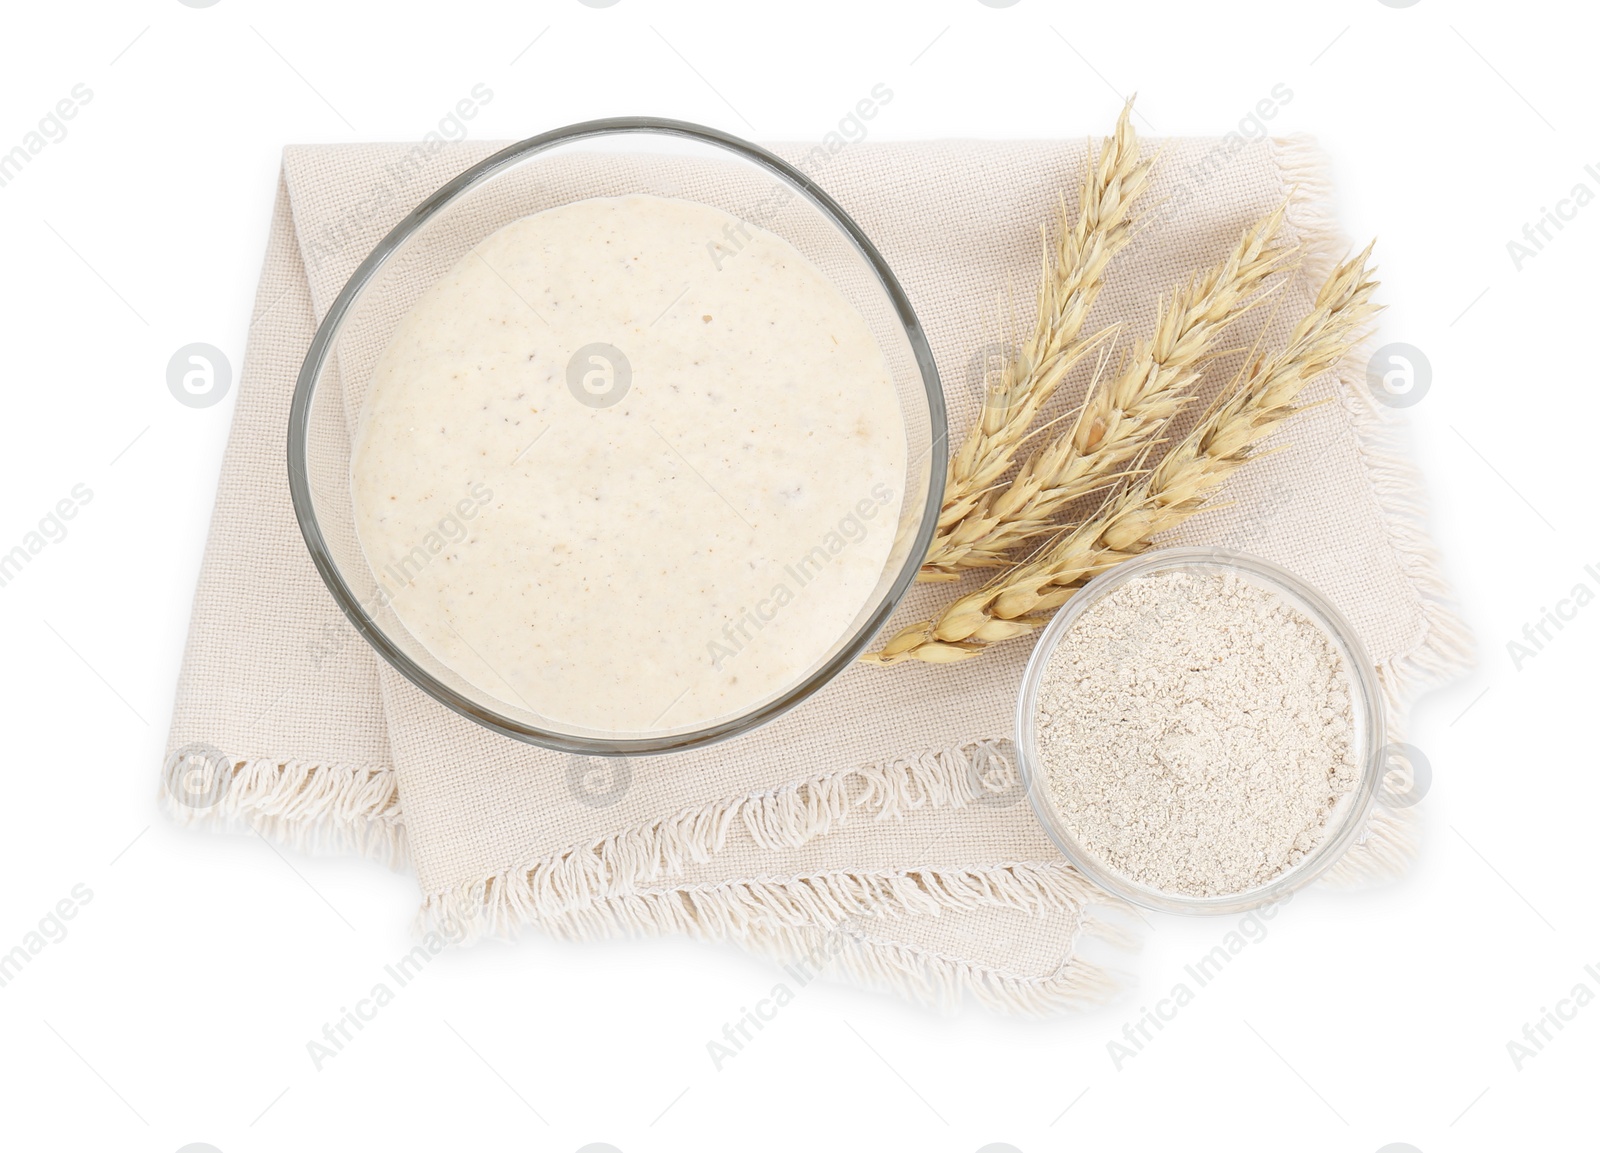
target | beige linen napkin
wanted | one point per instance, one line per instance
(877, 830)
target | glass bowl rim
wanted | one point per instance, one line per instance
(1364, 683)
(322, 344)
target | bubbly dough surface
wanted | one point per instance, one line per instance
(638, 542)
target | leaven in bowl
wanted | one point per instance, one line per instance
(604, 158)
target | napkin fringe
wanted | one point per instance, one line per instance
(1444, 649)
(939, 981)
(785, 817)
(792, 815)
(733, 909)
(1384, 852)
(310, 806)
(943, 982)
(815, 923)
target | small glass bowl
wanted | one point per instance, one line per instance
(600, 158)
(1350, 814)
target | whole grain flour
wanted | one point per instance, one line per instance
(1196, 731)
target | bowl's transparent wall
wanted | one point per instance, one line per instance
(613, 165)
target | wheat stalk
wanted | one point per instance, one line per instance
(1070, 280)
(1177, 488)
(1118, 422)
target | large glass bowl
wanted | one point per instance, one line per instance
(1349, 816)
(602, 158)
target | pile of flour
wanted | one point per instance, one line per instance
(1195, 732)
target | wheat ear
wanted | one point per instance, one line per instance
(1119, 421)
(1177, 488)
(1070, 280)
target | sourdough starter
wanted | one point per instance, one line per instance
(632, 464)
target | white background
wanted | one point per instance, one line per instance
(178, 1008)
